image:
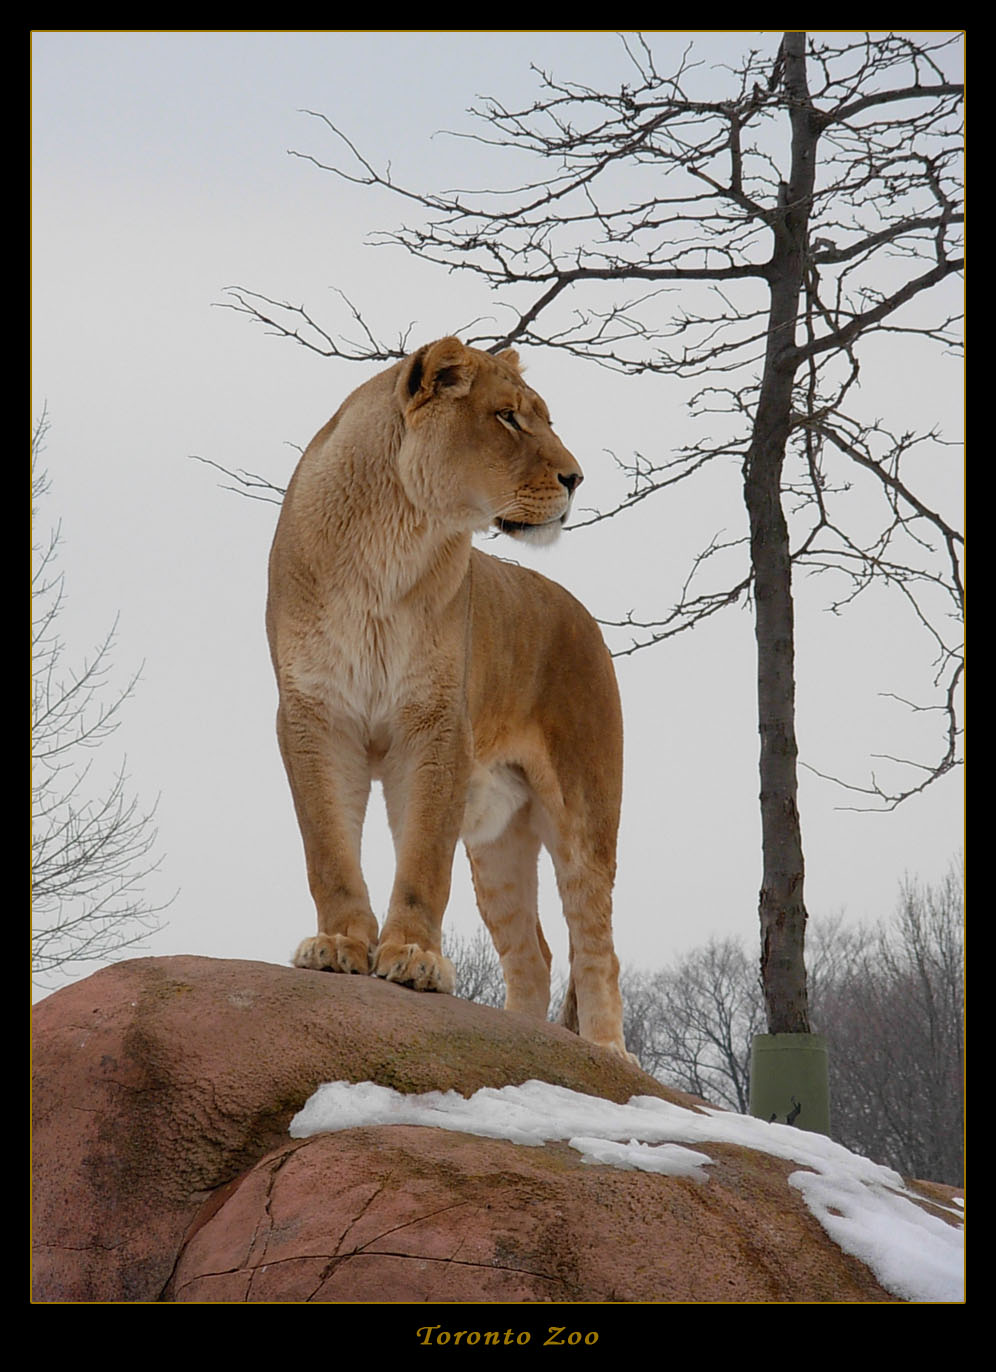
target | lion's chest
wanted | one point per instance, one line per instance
(373, 671)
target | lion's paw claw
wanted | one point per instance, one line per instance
(333, 953)
(410, 965)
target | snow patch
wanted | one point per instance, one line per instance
(864, 1208)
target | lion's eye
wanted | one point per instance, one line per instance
(508, 417)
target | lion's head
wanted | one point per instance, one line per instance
(478, 448)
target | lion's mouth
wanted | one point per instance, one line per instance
(517, 526)
(546, 532)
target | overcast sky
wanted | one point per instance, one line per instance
(161, 176)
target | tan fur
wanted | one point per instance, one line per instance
(479, 693)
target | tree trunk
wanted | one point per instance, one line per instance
(781, 905)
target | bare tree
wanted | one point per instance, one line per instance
(91, 843)
(693, 1023)
(812, 210)
(896, 1026)
(889, 998)
(478, 968)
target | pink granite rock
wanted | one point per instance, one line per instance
(403, 1213)
(163, 1169)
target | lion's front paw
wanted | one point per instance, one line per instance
(413, 966)
(333, 953)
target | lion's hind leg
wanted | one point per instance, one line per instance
(505, 883)
(592, 1004)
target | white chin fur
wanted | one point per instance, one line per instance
(540, 535)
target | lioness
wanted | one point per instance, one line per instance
(479, 693)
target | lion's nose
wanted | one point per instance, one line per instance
(571, 481)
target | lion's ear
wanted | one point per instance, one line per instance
(511, 358)
(442, 368)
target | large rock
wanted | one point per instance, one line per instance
(415, 1214)
(163, 1168)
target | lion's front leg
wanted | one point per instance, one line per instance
(425, 786)
(330, 782)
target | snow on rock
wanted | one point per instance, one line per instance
(864, 1207)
